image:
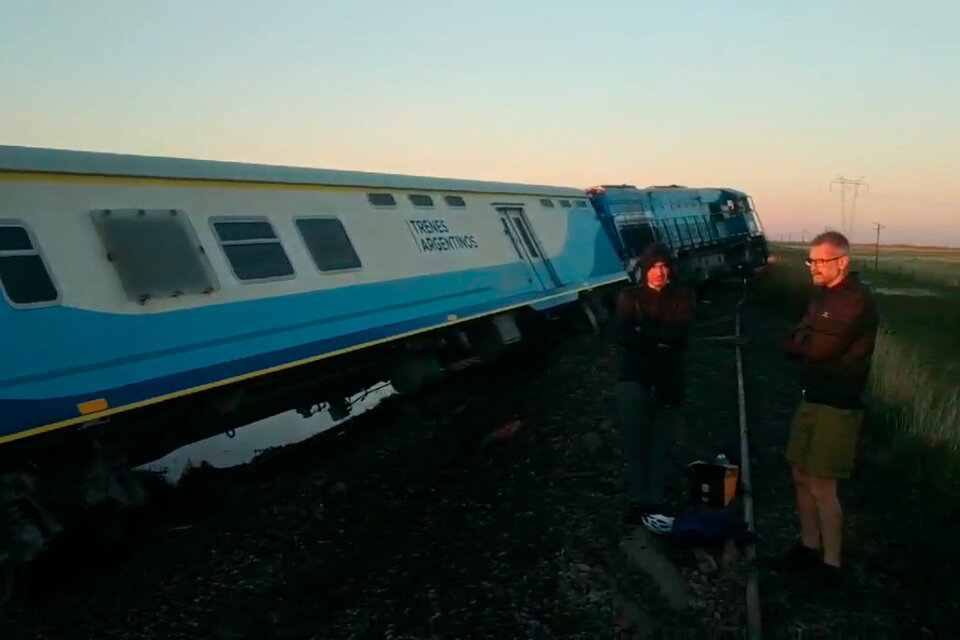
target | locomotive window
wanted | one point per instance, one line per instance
(23, 275)
(636, 237)
(565, 204)
(381, 199)
(582, 204)
(328, 243)
(155, 252)
(419, 200)
(454, 201)
(253, 249)
(547, 202)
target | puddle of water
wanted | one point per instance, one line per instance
(891, 291)
(282, 429)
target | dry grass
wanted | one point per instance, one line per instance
(914, 377)
(926, 405)
(933, 265)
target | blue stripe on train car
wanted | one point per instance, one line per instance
(23, 415)
(82, 349)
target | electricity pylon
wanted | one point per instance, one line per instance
(846, 221)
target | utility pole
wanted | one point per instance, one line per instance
(846, 224)
(876, 256)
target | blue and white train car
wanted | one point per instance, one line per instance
(714, 232)
(131, 281)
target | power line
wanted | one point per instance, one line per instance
(846, 222)
(915, 200)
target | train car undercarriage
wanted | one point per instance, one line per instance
(51, 482)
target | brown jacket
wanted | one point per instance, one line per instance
(834, 342)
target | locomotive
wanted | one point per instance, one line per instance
(715, 233)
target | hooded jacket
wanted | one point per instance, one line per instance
(652, 328)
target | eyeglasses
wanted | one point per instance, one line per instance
(820, 261)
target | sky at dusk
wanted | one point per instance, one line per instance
(776, 99)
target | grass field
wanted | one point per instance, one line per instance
(918, 265)
(915, 379)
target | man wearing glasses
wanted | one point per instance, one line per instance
(834, 343)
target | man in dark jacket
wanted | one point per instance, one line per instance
(834, 343)
(652, 324)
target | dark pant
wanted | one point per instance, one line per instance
(650, 433)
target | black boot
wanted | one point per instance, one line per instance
(828, 577)
(799, 558)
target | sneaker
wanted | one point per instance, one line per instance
(799, 558)
(636, 512)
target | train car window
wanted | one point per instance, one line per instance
(382, 199)
(155, 252)
(15, 239)
(253, 249)
(522, 228)
(23, 274)
(454, 201)
(547, 202)
(238, 231)
(506, 230)
(582, 204)
(419, 200)
(565, 204)
(329, 245)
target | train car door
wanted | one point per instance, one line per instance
(518, 229)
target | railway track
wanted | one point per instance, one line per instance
(752, 595)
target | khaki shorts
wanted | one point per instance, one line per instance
(823, 439)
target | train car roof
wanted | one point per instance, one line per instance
(36, 159)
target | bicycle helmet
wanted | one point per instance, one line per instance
(657, 523)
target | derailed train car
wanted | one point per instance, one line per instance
(714, 232)
(147, 301)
